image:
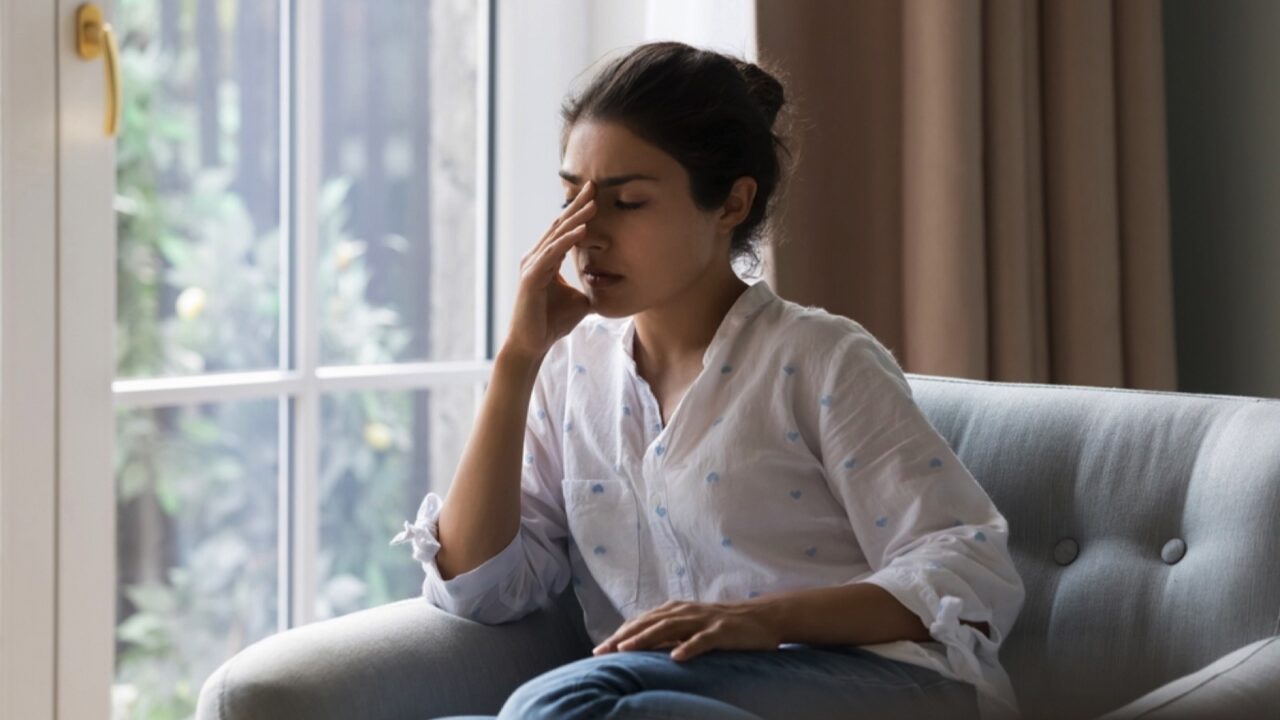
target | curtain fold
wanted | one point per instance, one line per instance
(981, 183)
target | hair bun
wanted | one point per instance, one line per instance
(764, 88)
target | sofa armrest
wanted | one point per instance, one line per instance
(1243, 684)
(401, 661)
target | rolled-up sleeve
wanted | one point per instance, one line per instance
(534, 567)
(930, 533)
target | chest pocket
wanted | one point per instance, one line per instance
(605, 523)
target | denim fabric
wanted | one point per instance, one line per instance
(795, 681)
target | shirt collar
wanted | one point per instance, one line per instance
(747, 305)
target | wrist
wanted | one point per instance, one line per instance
(517, 359)
(771, 613)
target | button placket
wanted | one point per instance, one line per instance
(655, 463)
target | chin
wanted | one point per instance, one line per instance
(607, 308)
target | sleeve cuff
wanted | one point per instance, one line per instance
(965, 644)
(422, 532)
(463, 594)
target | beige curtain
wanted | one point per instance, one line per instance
(981, 183)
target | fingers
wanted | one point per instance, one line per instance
(633, 625)
(658, 632)
(696, 645)
(570, 215)
(585, 193)
(552, 251)
(554, 241)
(548, 259)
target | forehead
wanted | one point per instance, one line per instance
(596, 150)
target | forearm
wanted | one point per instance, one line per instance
(481, 513)
(855, 614)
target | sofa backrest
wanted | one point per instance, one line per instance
(1145, 525)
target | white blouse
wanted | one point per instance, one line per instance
(796, 459)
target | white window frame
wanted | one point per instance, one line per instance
(28, 358)
(301, 383)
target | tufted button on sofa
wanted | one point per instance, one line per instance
(1145, 525)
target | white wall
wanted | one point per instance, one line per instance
(544, 48)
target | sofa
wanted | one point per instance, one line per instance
(1146, 526)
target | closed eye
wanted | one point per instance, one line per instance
(619, 204)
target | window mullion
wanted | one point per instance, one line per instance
(306, 68)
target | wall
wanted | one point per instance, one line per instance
(1224, 164)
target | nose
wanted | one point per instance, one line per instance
(593, 237)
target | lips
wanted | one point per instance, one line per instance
(598, 272)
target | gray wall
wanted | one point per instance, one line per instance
(1222, 77)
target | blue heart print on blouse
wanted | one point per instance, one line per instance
(542, 414)
(580, 369)
(659, 450)
(811, 551)
(713, 477)
(793, 436)
(718, 420)
(626, 409)
(752, 594)
(599, 550)
(726, 542)
(661, 511)
(598, 488)
(795, 494)
(957, 523)
(568, 426)
(726, 369)
(979, 536)
(826, 401)
(788, 370)
(528, 459)
(935, 463)
(849, 463)
(882, 521)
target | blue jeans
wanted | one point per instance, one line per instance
(799, 681)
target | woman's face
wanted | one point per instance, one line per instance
(646, 227)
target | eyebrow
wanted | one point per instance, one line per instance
(608, 181)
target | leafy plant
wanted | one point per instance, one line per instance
(199, 292)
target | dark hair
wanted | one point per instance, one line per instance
(712, 112)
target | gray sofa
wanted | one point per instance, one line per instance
(1146, 526)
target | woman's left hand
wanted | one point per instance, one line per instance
(694, 628)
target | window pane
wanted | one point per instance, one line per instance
(398, 198)
(196, 491)
(382, 452)
(197, 187)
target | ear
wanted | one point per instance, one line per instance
(737, 206)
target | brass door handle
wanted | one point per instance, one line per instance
(93, 36)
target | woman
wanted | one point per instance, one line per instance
(732, 477)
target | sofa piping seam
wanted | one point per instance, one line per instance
(1206, 681)
(1090, 388)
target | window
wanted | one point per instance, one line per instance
(302, 313)
(321, 209)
